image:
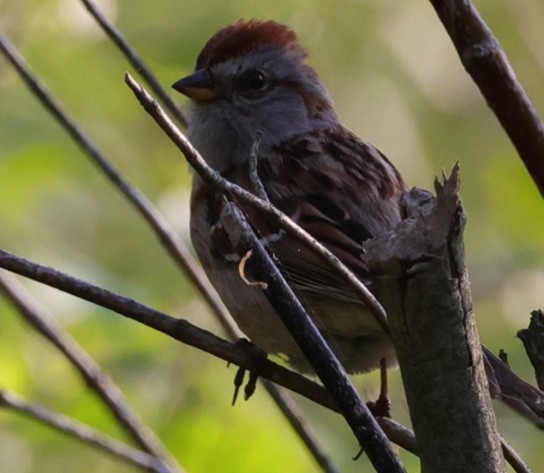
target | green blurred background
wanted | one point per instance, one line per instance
(396, 81)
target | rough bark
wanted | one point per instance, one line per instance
(533, 341)
(426, 294)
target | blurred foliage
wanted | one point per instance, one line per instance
(396, 80)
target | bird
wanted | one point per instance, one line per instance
(254, 96)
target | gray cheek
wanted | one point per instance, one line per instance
(224, 132)
(279, 118)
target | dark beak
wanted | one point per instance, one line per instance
(197, 86)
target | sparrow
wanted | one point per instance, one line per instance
(255, 97)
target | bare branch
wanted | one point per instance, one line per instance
(178, 329)
(311, 342)
(513, 390)
(186, 333)
(423, 282)
(485, 61)
(256, 183)
(82, 432)
(94, 377)
(179, 252)
(134, 59)
(533, 341)
(513, 459)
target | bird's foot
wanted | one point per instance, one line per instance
(259, 356)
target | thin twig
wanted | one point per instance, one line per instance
(94, 377)
(485, 61)
(399, 434)
(81, 432)
(518, 394)
(188, 334)
(178, 329)
(513, 458)
(309, 339)
(135, 60)
(216, 181)
(256, 183)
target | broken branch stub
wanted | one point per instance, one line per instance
(424, 288)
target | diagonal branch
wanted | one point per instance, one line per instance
(178, 329)
(134, 59)
(308, 338)
(97, 379)
(164, 232)
(188, 334)
(82, 432)
(485, 61)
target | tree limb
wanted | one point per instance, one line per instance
(424, 285)
(92, 374)
(134, 59)
(533, 341)
(83, 433)
(308, 338)
(187, 333)
(485, 61)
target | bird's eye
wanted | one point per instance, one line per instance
(253, 82)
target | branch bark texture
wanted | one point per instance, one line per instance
(485, 61)
(426, 293)
(533, 341)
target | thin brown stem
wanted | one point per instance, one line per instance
(82, 432)
(178, 251)
(93, 376)
(190, 335)
(319, 354)
(134, 59)
(513, 458)
(178, 329)
(485, 61)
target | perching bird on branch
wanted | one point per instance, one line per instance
(254, 95)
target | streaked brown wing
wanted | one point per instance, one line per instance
(342, 191)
